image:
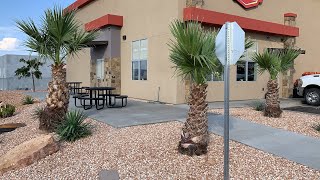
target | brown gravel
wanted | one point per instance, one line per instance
(145, 152)
(298, 122)
(15, 98)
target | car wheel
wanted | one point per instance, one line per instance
(312, 96)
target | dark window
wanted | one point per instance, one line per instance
(246, 69)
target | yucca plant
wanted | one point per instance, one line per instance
(27, 100)
(59, 36)
(274, 62)
(73, 127)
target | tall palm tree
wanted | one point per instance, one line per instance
(192, 53)
(59, 36)
(275, 62)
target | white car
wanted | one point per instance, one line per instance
(309, 88)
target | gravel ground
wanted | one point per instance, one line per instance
(298, 122)
(15, 98)
(145, 152)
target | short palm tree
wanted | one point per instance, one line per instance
(275, 62)
(59, 36)
(31, 69)
(192, 53)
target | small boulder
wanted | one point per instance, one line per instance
(10, 127)
(28, 152)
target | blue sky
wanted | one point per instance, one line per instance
(11, 39)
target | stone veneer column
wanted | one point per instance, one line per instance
(112, 74)
(287, 78)
(112, 61)
(195, 3)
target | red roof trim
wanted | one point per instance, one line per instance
(107, 20)
(250, 3)
(78, 4)
(218, 19)
(290, 15)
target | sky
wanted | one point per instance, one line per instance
(11, 38)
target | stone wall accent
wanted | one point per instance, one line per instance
(112, 76)
(287, 78)
(195, 3)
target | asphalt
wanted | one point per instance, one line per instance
(295, 147)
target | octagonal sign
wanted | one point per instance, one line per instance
(230, 42)
(250, 3)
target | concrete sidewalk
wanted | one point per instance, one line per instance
(295, 147)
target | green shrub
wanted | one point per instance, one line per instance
(73, 127)
(7, 110)
(317, 127)
(259, 106)
(27, 100)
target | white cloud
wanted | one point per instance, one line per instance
(9, 44)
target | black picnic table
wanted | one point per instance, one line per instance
(74, 87)
(96, 92)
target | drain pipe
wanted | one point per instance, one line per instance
(158, 94)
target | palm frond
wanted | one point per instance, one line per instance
(58, 36)
(192, 50)
(275, 61)
(287, 57)
(268, 61)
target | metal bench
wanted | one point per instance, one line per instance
(124, 100)
(85, 98)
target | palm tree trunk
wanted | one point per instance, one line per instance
(194, 137)
(57, 99)
(33, 86)
(272, 108)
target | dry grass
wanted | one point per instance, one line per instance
(145, 152)
(298, 122)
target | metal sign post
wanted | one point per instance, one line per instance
(226, 100)
(229, 48)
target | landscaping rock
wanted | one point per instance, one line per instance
(10, 127)
(108, 175)
(28, 153)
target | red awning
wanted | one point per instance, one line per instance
(218, 19)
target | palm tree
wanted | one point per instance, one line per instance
(275, 62)
(30, 69)
(59, 36)
(192, 53)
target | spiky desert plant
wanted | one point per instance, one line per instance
(192, 53)
(59, 36)
(73, 127)
(274, 62)
(27, 100)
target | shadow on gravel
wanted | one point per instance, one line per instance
(305, 109)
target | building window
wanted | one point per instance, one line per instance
(100, 69)
(217, 76)
(246, 68)
(140, 59)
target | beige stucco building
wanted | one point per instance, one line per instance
(132, 55)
